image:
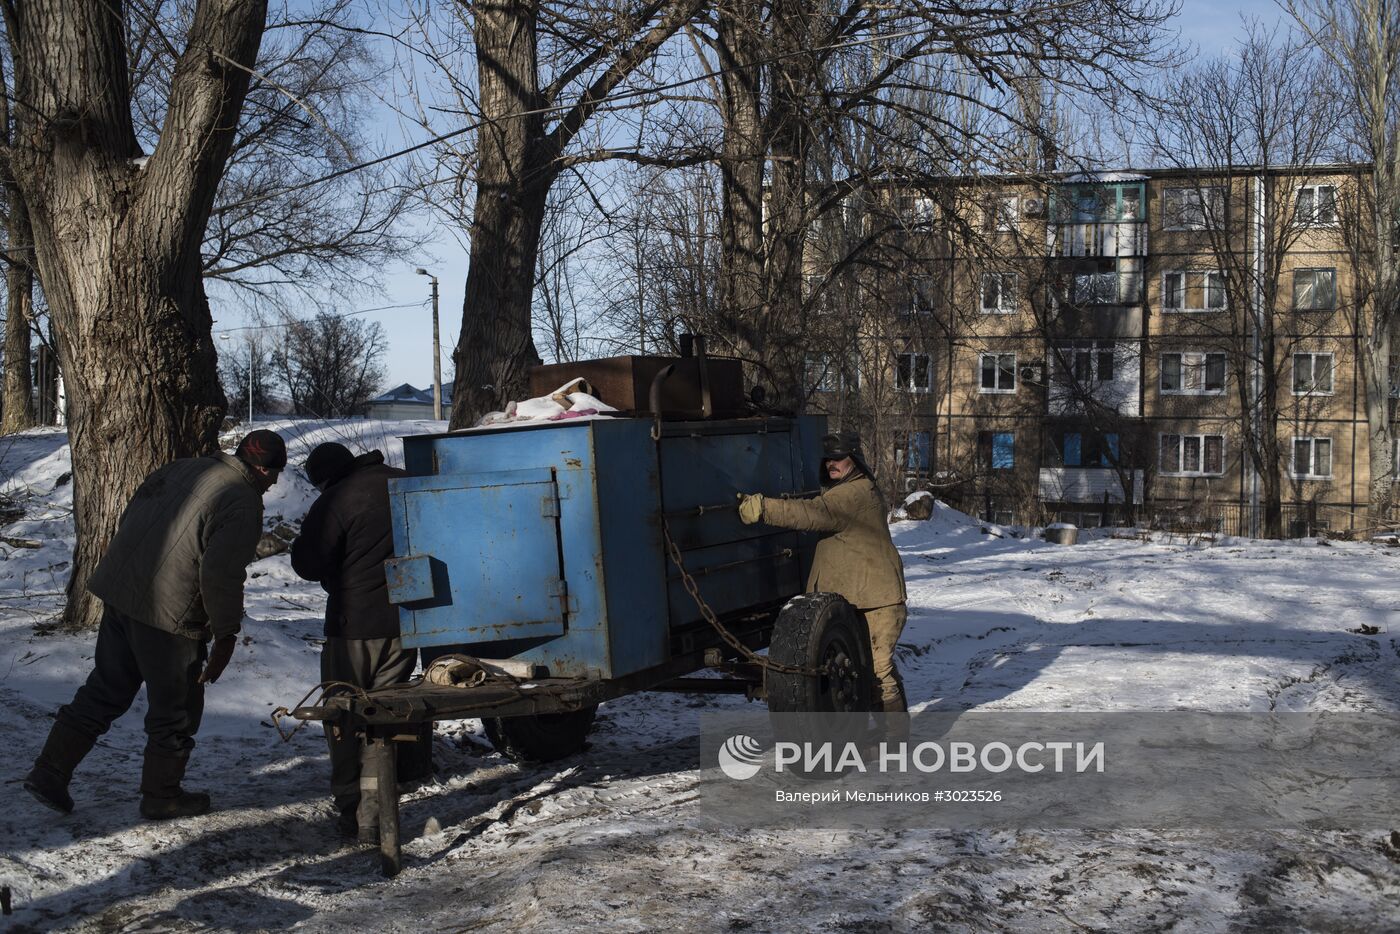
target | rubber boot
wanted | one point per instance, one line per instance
(896, 715)
(53, 770)
(895, 703)
(162, 798)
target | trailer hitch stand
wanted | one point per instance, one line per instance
(387, 778)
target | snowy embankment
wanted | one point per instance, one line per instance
(610, 839)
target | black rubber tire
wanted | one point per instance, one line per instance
(823, 631)
(543, 737)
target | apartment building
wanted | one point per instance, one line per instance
(1096, 353)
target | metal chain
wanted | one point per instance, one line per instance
(731, 640)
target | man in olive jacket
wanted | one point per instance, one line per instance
(171, 579)
(855, 558)
(345, 539)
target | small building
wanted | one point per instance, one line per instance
(406, 402)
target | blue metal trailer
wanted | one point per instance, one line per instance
(581, 560)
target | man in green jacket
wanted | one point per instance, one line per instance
(855, 558)
(171, 579)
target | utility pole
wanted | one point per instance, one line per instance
(252, 376)
(252, 373)
(437, 351)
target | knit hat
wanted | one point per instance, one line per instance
(263, 448)
(327, 463)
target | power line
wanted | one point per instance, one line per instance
(343, 314)
(607, 99)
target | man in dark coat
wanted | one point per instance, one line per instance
(855, 556)
(171, 579)
(345, 539)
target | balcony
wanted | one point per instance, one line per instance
(1103, 240)
(1106, 322)
(1086, 485)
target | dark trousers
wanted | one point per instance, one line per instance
(129, 654)
(365, 663)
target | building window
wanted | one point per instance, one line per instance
(1193, 374)
(917, 210)
(1312, 374)
(1193, 290)
(1312, 458)
(1097, 284)
(816, 292)
(1088, 362)
(1192, 208)
(914, 451)
(998, 293)
(1317, 205)
(826, 374)
(1314, 289)
(997, 449)
(915, 372)
(1000, 212)
(1192, 455)
(998, 372)
(1082, 520)
(922, 294)
(1081, 449)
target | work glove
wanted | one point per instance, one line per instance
(219, 656)
(750, 508)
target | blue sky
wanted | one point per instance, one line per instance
(1211, 27)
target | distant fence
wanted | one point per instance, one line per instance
(1300, 520)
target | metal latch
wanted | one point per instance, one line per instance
(559, 589)
(410, 579)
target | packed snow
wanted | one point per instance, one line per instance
(611, 839)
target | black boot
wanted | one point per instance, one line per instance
(162, 798)
(53, 770)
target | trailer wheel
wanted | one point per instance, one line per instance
(540, 737)
(824, 632)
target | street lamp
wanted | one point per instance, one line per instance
(437, 351)
(252, 362)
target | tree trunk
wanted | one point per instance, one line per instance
(1375, 333)
(118, 246)
(18, 391)
(1376, 349)
(795, 82)
(17, 394)
(741, 179)
(514, 173)
(1270, 464)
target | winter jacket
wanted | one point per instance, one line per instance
(345, 539)
(183, 546)
(856, 558)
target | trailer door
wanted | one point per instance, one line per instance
(478, 559)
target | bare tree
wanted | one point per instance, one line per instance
(1248, 132)
(543, 71)
(117, 238)
(854, 97)
(248, 361)
(330, 365)
(280, 232)
(1361, 42)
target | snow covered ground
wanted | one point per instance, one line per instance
(610, 839)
